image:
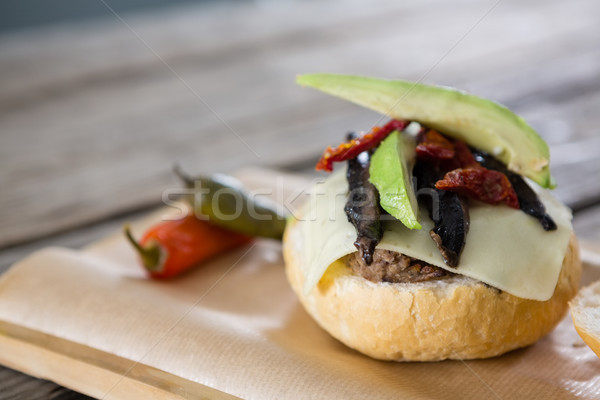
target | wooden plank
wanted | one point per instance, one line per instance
(204, 35)
(129, 379)
(578, 184)
(61, 350)
(74, 239)
(586, 223)
(85, 136)
(90, 129)
(16, 385)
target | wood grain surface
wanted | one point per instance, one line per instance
(93, 116)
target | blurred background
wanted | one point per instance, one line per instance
(100, 98)
(38, 13)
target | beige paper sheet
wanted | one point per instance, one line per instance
(91, 320)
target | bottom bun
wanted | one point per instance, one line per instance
(454, 318)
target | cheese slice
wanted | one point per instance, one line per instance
(505, 248)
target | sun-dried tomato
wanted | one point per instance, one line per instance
(351, 149)
(434, 147)
(487, 185)
(447, 154)
(463, 156)
(463, 174)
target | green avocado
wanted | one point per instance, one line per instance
(481, 123)
(391, 172)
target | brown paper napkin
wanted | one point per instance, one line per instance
(92, 321)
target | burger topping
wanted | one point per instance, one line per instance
(505, 248)
(489, 186)
(447, 170)
(356, 145)
(434, 147)
(444, 166)
(390, 266)
(529, 202)
(481, 123)
(524, 261)
(463, 174)
(362, 206)
(451, 228)
(391, 173)
(447, 210)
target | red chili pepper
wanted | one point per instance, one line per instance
(489, 186)
(172, 247)
(434, 147)
(351, 149)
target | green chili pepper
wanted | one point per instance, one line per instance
(223, 202)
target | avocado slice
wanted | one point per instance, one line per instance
(391, 173)
(481, 123)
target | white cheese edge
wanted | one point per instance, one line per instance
(505, 248)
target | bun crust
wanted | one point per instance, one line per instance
(585, 311)
(454, 318)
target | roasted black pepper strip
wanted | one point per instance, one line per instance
(529, 202)
(451, 227)
(447, 210)
(362, 206)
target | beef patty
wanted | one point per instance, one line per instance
(390, 266)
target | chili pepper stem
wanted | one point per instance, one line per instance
(188, 180)
(150, 255)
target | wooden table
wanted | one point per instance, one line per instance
(93, 116)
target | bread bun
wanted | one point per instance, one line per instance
(453, 318)
(585, 310)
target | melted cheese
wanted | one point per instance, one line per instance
(505, 248)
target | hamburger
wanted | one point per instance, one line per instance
(437, 237)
